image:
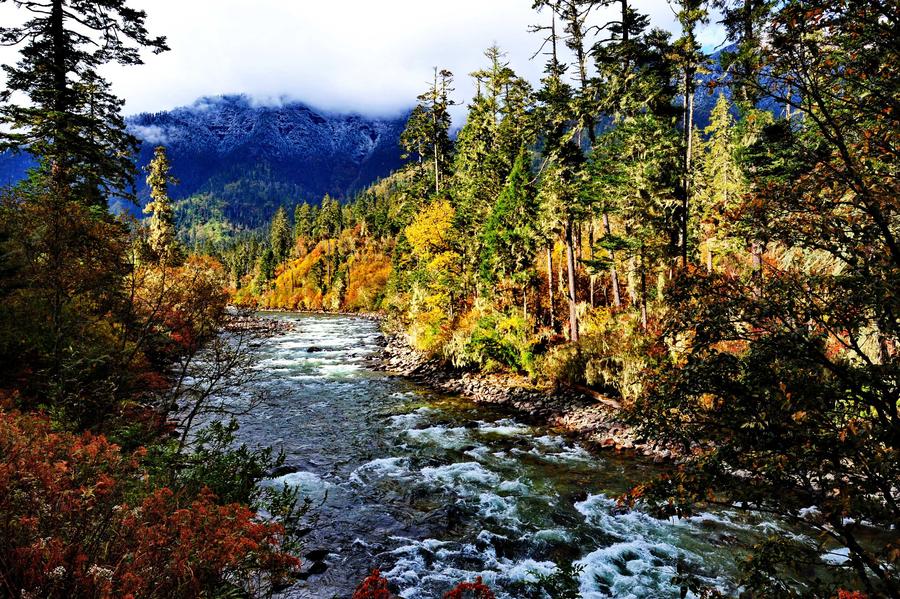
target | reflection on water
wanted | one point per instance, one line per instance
(433, 490)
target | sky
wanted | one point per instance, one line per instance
(367, 56)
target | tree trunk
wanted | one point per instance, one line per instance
(550, 286)
(643, 293)
(632, 282)
(525, 300)
(756, 257)
(59, 172)
(689, 140)
(570, 262)
(613, 276)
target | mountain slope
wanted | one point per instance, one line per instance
(254, 158)
(257, 157)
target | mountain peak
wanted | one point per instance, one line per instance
(257, 155)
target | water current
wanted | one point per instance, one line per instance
(433, 490)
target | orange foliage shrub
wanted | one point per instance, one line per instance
(336, 274)
(369, 275)
(375, 586)
(77, 520)
(478, 589)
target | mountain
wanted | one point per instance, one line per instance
(254, 157)
(251, 158)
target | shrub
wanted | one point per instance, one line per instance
(78, 518)
(612, 353)
(491, 341)
(375, 586)
(477, 589)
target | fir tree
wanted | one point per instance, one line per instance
(427, 133)
(304, 221)
(510, 236)
(72, 122)
(689, 58)
(720, 182)
(280, 236)
(161, 239)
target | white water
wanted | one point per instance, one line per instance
(433, 490)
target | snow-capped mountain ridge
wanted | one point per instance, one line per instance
(253, 156)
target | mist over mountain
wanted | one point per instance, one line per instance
(237, 159)
(256, 157)
(249, 158)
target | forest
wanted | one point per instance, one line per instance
(731, 284)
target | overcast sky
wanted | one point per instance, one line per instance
(369, 56)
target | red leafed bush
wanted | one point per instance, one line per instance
(77, 520)
(842, 594)
(375, 586)
(478, 589)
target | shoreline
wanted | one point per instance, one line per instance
(588, 416)
(581, 412)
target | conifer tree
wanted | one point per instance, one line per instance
(161, 239)
(744, 21)
(498, 117)
(720, 181)
(280, 236)
(510, 236)
(72, 122)
(304, 221)
(689, 57)
(563, 174)
(427, 133)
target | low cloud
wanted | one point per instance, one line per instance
(357, 55)
(151, 134)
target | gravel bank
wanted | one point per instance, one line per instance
(583, 413)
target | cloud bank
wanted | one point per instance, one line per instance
(366, 56)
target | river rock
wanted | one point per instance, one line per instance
(582, 412)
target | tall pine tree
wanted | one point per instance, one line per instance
(72, 122)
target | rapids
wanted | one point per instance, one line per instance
(433, 490)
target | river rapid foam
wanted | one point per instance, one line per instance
(433, 490)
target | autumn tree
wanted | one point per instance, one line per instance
(787, 385)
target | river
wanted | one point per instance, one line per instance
(433, 490)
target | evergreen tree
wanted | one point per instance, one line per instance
(329, 219)
(72, 123)
(689, 58)
(510, 236)
(427, 133)
(498, 117)
(561, 182)
(633, 173)
(161, 238)
(304, 221)
(720, 182)
(618, 58)
(744, 20)
(280, 239)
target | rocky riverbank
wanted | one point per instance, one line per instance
(251, 325)
(591, 417)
